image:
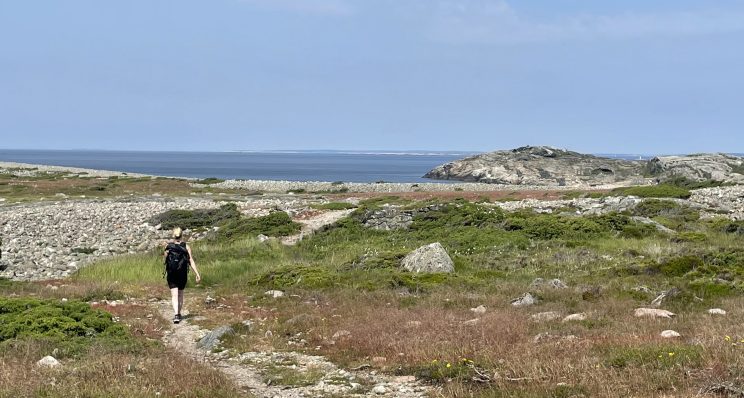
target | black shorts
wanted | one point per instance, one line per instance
(177, 280)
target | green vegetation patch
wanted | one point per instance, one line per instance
(275, 224)
(190, 219)
(72, 324)
(334, 206)
(654, 191)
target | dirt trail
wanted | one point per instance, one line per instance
(249, 370)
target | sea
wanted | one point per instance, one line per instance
(346, 166)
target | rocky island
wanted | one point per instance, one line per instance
(548, 166)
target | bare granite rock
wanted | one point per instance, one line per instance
(699, 167)
(541, 165)
(548, 166)
(428, 259)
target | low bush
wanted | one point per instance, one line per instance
(654, 191)
(73, 324)
(686, 183)
(334, 206)
(665, 208)
(190, 219)
(275, 224)
(679, 266)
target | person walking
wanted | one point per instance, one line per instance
(178, 259)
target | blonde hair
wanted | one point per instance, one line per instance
(177, 232)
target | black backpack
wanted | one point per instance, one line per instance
(177, 259)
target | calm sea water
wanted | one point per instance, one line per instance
(280, 165)
(292, 166)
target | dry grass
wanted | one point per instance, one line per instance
(155, 372)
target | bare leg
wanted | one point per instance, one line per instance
(174, 300)
(180, 301)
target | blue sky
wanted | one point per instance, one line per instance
(627, 76)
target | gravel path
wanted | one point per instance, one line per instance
(248, 370)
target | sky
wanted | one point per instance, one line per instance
(632, 76)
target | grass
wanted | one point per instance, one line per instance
(347, 278)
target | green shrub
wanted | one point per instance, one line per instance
(665, 208)
(638, 231)
(312, 277)
(679, 266)
(458, 214)
(548, 226)
(691, 237)
(686, 183)
(654, 191)
(73, 324)
(190, 219)
(275, 224)
(334, 206)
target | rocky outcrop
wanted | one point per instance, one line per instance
(428, 259)
(699, 167)
(541, 165)
(547, 166)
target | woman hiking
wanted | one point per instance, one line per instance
(178, 259)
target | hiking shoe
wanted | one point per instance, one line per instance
(177, 318)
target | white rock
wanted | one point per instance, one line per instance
(575, 317)
(48, 361)
(379, 390)
(670, 334)
(526, 300)
(653, 313)
(545, 316)
(716, 311)
(274, 293)
(479, 309)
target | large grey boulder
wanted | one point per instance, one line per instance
(428, 259)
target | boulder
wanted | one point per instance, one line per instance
(652, 313)
(553, 283)
(670, 334)
(664, 295)
(481, 309)
(575, 318)
(274, 293)
(525, 300)
(428, 259)
(716, 311)
(48, 362)
(212, 339)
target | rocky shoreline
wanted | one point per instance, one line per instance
(51, 240)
